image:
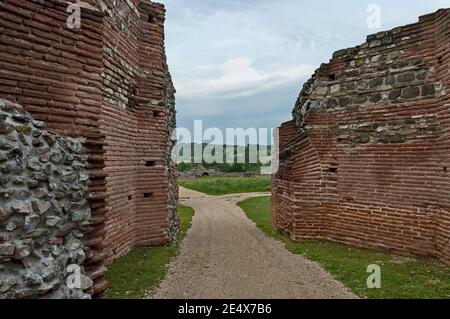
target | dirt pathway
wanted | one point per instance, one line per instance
(225, 255)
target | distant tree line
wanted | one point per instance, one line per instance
(245, 158)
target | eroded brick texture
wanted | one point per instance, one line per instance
(365, 159)
(137, 87)
(109, 83)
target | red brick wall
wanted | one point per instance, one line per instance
(368, 165)
(107, 82)
(54, 72)
(441, 34)
(138, 193)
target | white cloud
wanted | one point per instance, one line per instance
(225, 43)
(242, 62)
(239, 78)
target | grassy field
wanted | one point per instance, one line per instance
(401, 277)
(135, 275)
(228, 185)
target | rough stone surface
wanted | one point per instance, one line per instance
(32, 263)
(367, 164)
(109, 83)
(172, 168)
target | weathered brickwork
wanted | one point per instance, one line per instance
(107, 82)
(137, 87)
(365, 159)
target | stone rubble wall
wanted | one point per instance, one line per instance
(173, 225)
(365, 159)
(43, 208)
(55, 74)
(109, 83)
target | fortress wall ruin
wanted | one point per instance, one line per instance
(107, 82)
(365, 160)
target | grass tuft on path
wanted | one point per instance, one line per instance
(135, 275)
(402, 278)
(227, 185)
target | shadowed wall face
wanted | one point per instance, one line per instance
(365, 159)
(109, 83)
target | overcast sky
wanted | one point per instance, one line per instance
(242, 63)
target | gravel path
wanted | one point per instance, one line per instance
(225, 256)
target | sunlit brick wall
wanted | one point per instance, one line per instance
(369, 163)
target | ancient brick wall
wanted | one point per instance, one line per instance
(109, 83)
(365, 159)
(138, 120)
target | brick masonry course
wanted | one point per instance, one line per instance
(365, 159)
(107, 82)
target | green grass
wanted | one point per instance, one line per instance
(401, 277)
(138, 273)
(227, 185)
